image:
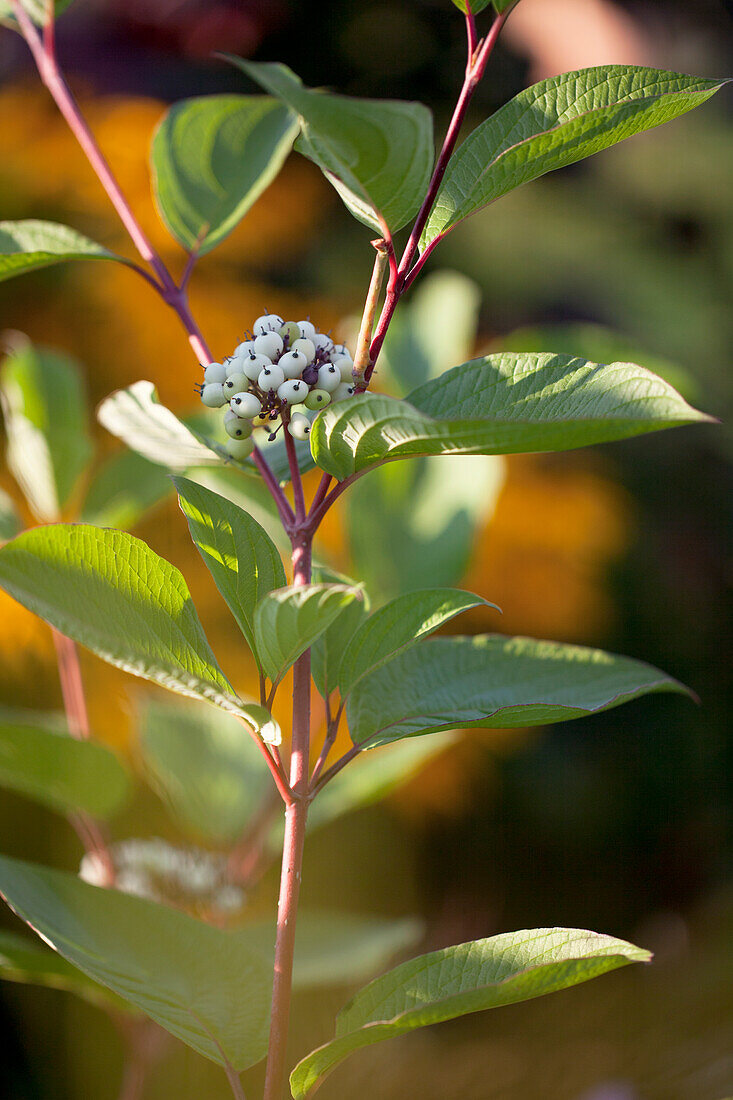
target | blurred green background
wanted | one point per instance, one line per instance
(621, 824)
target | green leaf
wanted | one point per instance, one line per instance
(377, 153)
(47, 427)
(212, 157)
(206, 986)
(500, 5)
(37, 759)
(112, 593)
(123, 489)
(500, 404)
(492, 681)
(469, 977)
(336, 948)
(205, 770)
(397, 626)
(135, 416)
(327, 651)
(555, 123)
(239, 554)
(26, 961)
(30, 245)
(10, 521)
(288, 620)
(479, 5)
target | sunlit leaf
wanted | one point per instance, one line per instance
(30, 245)
(47, 426)
(212, 157)
(555, 123)
(492, 681)
(500, 404)
(239, 554)
(208, 987)
(470, 977)
(328, 650)
(377, 153)
(41, 761)
(290, 619)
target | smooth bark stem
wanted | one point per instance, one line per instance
(361, 355)
(295, 821)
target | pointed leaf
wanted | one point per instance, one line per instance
(47, 426)
(478, 5)
(500, 404)
(336, 948)
(212, 157)
(112, 593)
(240, 555)
(203, 767)
(377, 153)
(470, 977)
(328, 650)
(554, 123)
(136, 417)
(207, 987)
(397, 626)
(123, 489)
(44, 763)
(492, 681)
(30, 245)
(28, 962)
(289, 620)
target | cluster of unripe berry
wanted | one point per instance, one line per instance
(274, 379)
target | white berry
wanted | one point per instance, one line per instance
(329, 377)
(323, 343)
(293, 391)
(235, 383)
(306, 348)
(215, 372)
(292, 364)
(345, 366)
(271, 344)
(240, 448)
(236, 427)
(346, 389)
(299, 426)
(318, 399)
(213, 395)
(244, 348)
(269, 322)
(246, 405)
(307, 330)
(253, 364)
(270, 378)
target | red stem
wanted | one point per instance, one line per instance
(292, 862)
(295, 478)
(335, 769)
(474, 73)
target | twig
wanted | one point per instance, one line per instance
(335, 769)
(361, 355)
(295, 479)
(328, 741)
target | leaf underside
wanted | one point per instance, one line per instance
(30, 245)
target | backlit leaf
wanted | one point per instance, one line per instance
(29, 245)
(290, 619)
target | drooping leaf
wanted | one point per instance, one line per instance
(328, 650)
(492, 681)
(397, 626)
(204, 768)
(500, 5)
(135, 416)
(212, 157)
(41, 761)
(28, 962)
(10, 522)
(239, 554)
(377, 153)
(336, 948)
(208, 987)
(555, 123)
(30, 245)
(470, 977)
(112, 593)
(288, 620)
(123, 489)
(47, 426)
(479, 5)
(499, 404)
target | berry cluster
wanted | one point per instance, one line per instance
(274, 378)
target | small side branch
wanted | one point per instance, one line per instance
(384, 250)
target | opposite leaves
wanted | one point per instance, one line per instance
(212, 157)
(30, 245)
(470, 977)
(377, 153)
(555, 123)
(288, 620)
(493, 682)
(501, 404)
